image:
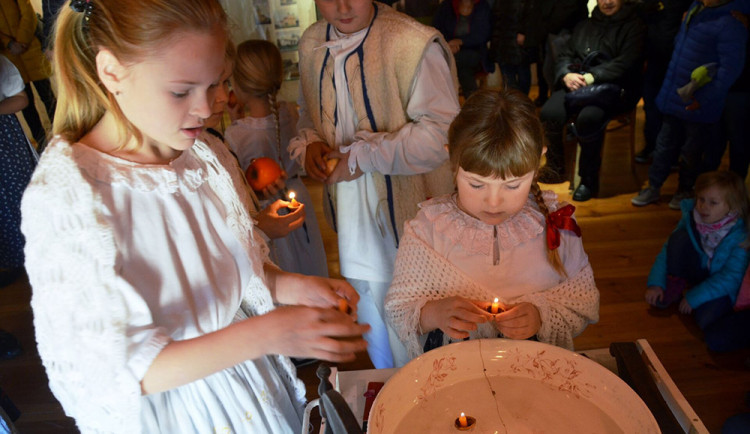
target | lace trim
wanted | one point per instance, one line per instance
(475, 236)
(165, 178)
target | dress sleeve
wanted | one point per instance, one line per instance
(567, 308)
(419, 145)
(93, 330)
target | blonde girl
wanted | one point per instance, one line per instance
(154, 301)
(705, 257)
(265, 132)
(498, 236)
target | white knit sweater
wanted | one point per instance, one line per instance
(423, 274)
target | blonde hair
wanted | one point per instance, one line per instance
(734, 189)
(258, 71)
(498, 134)
(131, 30)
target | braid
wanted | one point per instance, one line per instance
(552, 255)
(275, 110)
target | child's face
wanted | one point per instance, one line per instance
(711, 204)
(220, 98)
(492, 200)
(348, 16)
(169, 95)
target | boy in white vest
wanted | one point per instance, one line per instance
(378, 92)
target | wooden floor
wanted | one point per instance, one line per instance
(621, 242)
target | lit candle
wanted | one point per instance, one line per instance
(293, 204)
(343, 306)
(495, 306)
(462, 422)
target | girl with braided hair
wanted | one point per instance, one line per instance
(265, 132)
(498, 236)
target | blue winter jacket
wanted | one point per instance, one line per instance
(709, 35)
(727, 266)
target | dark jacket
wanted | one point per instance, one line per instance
(480, 28)
(509, 18)
(662, 18)
(710, 35)
(621, 37)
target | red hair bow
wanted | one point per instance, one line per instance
(560, 219)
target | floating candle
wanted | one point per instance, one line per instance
(293, 204)
(344, 306)
(495, 308)
(462, 422)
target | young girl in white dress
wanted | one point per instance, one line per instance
(155, 306)
(499, 236)
(265, 132)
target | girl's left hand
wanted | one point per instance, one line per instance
(324, 292)
(341, 171)
(520, 321)
(685, 307)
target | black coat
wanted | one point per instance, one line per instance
(509, 17)
(621, 36)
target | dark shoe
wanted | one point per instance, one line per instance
(679, 197)
(646, 196)
(583, 193)
(9, 346)
(644, 156)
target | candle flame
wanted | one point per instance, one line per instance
(462, 414)
(496, 300)
(292, 196)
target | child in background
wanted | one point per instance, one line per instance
(267, 219)
(154, 301)
(499, 236)
(705, 257)
(382, 105)
(265, 132)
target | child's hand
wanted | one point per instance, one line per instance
(685, 306)
(455, 316)
(654, 295)
(521, 321)
(455, 45)
(273, 189)
(320, 333)
(341, 171)
(278, 226)
(315, 162)
(326, 292)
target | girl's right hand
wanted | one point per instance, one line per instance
(315, 161)
(654, 295)
(455, 316)
(307, 332)
(278, 226)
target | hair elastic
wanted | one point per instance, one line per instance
(82, 6)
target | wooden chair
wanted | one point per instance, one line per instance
(623, 120)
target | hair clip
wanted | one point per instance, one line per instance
(82, 6)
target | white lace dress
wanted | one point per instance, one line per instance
(446, 252)
(302, 250)
(125, 257)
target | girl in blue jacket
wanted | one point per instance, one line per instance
(705, 257)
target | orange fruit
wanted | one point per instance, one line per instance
(262, 172)
(331, 164)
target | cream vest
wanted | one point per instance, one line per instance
(380, 73)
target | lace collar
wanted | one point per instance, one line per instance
(475, 236)
(165, 178)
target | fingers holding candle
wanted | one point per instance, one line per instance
(520, 321)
